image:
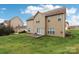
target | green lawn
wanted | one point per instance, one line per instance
(21, 43)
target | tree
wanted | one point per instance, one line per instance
(5, 30)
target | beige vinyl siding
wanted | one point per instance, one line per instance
(30, 26)
(16, 22)
(57, 25)
(39, 22)
(49, 23)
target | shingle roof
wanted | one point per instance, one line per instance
(31, 18)
(55, 11)
(16, 17)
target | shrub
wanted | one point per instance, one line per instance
(5, 30)
(23, 31)
(68, 33)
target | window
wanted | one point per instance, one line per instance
(59, 17)
(51, 31)
(37, 21)
(29, 29)
(48, 19)
(39, 31)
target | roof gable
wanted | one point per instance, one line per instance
(52, 12)
(16, 18)
(32, 18)
(36, 14)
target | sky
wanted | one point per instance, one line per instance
(24, 11)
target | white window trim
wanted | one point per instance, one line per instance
(52, 29)
(39, 31)
(59, 16)
(48, 19)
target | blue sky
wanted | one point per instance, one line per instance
(24, 11)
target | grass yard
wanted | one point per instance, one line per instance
(21, 43)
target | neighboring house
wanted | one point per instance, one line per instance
(30, 25)
(48, 23)
(6, 23)
(74, 27)
(1, 25)
(15, 23)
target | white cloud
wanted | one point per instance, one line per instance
(71, 11)
(35, 8)
(25, 23)
(22, 12)
(74, 20)
(3, 8)
(49, 7)
(42, 8)
(2, 20)
(31, 10)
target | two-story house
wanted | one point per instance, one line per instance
(15, 23)
(48, 23)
